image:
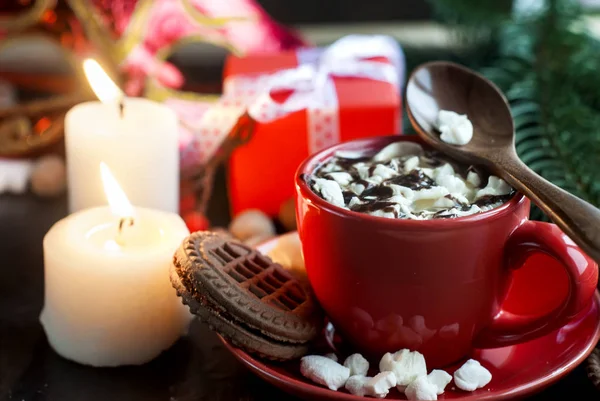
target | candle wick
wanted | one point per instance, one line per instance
(122, 107)
(124, 222)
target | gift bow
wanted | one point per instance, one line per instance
(311, 82)
(312, 89)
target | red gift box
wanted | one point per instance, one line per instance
(363, 103)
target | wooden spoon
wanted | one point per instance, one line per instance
(441, 85)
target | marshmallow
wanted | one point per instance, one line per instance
(443, 203)
(324, 371)
(429, 172)
(399, 200)
(374, 179)
(444, 170)
(380, 385)
(421, 389)
(496, 186)
(354, 201)
(471, 376)
(453, 184)
(456, 129)
(410, 164)
(461, 198)
(357, 364)
(398, 149)
(394, 164)
(341, 178)
(333, 357)
(363, 170)
(473, 178)
(406, 365)
(357, 385)
(348, 154)
(440, 379)
(250, 224)
(399, 190)
(357, 188)
(330, 190)
(387, 215)
(430, 193)
(472, 210)
(384, 172)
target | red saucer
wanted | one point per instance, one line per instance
(517, 370)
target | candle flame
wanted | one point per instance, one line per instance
(104, 87)
(119, 204)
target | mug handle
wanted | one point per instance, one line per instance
(509, 328)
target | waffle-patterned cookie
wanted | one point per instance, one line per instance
(245, 296)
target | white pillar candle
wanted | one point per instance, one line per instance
(138, 142)
(108, 297)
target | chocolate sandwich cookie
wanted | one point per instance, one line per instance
(245, 296)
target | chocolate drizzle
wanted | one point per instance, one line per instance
(432, 157)
(371, 206)
(377, 191)
(346, 163)
(372, 198)
(443, 214)
(348, 195)
(372, 169)
(414, 180)
(489, 200)
(364, 183)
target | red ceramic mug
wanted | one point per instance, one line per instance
(436, 286)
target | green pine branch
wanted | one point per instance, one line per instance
(547, 68)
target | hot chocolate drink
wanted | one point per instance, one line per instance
(405, 181)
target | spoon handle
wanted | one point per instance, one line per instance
(575, 217)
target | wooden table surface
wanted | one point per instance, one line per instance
(196, 368)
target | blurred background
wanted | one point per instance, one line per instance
(543, 54)
(527, 47)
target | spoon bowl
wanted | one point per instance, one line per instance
(443, 85)
(448, 86)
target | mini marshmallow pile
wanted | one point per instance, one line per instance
(404, 181)
(455, 129)
(406, 370)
